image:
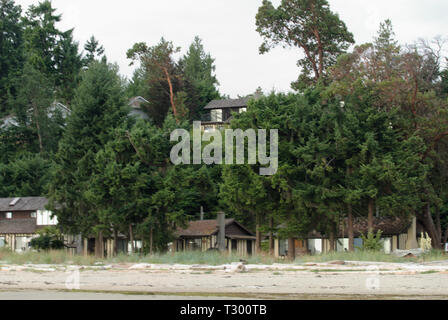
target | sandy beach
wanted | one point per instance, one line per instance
(337, 280)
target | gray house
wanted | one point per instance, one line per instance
(221, 112)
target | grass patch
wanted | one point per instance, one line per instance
(429, 272)
(202, 258)
(435, 255)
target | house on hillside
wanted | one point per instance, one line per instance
(395, 235)
(136, 104)
(20, 219)
(56, 109)
(221, 112)
(203, 236)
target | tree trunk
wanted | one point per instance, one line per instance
(291, 249)
(370, 216)
(99, 245)
(445, 238)
(332, 242)
(351, 237)
(170, 84)
(115, 242)
(271, 237)
(131, 239)
(258, 235)
(438, 224)
(429, 223)
(151, 241)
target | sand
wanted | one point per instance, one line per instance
(338, 280)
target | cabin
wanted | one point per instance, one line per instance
(203, 235)
(137, 108)
(55, 110)
(20, 219)
(397, 234)
(221, 112)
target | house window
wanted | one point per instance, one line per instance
(33, 215)
(8, 215)
(243, 110)
(216, 115)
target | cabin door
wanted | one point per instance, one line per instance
(249, 247)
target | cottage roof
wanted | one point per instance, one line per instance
(23, 204)
(18, 226)
(204, 228)
(388, 225)
(228, 103)
(135, 102)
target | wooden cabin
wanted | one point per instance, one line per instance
(20, 219)
(221, 112)
(203, 236)
(396, 234)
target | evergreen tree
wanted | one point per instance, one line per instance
(94, 50)
(200, 81)
(99, 107)
(309, 25)
(11, 51)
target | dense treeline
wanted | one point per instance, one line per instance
(364, 133)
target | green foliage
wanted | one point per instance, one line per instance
(372, 242)
(200, 82)
(98, 108)
(27, 176)
(11, 51)
(310, 26)
(94, 50)
(48, 238)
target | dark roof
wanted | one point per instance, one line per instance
(24, 204)
(388, 225)
(204, 228)
(228, 103)
(18, 226)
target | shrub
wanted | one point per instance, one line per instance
(373, 242)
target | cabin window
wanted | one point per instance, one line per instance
(33, 214)
(216, 115)
(243, 110)
(44, 218)
(8, 215)
(2, 242)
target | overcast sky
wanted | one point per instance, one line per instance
(227, 28)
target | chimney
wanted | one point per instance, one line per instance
(202, 213)
(222, 231)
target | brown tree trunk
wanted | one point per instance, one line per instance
(271, 237)
(291, 249)
(429, 223)
(445, 238)
(332, 242)
(151, 241)
(351, 237)
(258, 235)
(438, 224)
(115, 242)
(370, 216)
(170, 84)
(131, 239)
(99, 246)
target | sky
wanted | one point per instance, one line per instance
(228, 31)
